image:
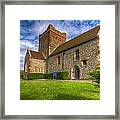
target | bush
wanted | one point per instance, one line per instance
(32, 76)
(95, 75)
(21, 74)
(62, 75)
(47, 76)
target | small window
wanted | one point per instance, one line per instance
(77, 54)
(58, 59)
(84, 62)
(98, 51)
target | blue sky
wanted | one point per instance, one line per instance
(30, 29)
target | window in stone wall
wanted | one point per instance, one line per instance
(98, 52)
(84, 62)
(77, 55)
(58, 59)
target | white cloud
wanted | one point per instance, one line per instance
(26, 43)
(22, 55)
(39, 27)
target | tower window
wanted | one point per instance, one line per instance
(58, 59)
(84, 62)
(77, 54)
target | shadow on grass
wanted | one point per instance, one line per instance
(71, 97)
(58, 97)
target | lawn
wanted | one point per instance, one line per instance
(58, 90)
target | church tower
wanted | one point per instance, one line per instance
(50, 39)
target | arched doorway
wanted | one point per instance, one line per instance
(75, 72)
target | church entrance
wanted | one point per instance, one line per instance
(75, 72)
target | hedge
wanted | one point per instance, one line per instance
(60, 75)
(47, 76)
(32, 76)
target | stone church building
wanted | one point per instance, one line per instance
(76, 56)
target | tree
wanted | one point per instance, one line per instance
(21, 74)
(95, 75)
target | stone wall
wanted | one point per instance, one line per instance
(37, 66)
(88, 51)
(53, 63)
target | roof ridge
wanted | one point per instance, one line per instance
(36, 54)
(33, 50)
(83, 33)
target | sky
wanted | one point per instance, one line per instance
(30, 30)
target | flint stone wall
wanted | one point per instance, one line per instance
(88, 51)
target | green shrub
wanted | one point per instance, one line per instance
(95, 75)
(32, 76)
(21, 74)
(47, 76)
(62, 75)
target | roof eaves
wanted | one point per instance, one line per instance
(72, 47)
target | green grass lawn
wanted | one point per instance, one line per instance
(58, 90)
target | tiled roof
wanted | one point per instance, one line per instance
(36, 55)
(87, 36)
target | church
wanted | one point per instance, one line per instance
(55, 53)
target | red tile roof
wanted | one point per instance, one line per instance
(36, 55)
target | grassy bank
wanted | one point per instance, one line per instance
(58, 90)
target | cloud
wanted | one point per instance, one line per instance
(30, 30)
(22, 59)
(24, 45)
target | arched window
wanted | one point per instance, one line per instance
(77, 55)
(58, 59)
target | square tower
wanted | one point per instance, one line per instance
(50, 39)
